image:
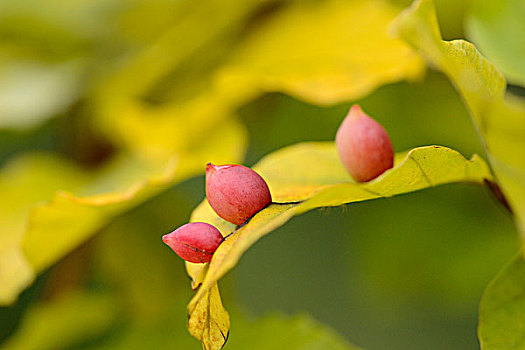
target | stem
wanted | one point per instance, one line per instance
(286, 203)
(251, 217)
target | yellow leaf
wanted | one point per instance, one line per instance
(198, 102)
(154, 133)
(67, 220)
(326, 52)
(210, 322)
(35, 233)
(500, 117)
(310, 175)
(24, 181)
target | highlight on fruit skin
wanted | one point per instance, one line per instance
(363, 146)
(194, 242)
(236, 192)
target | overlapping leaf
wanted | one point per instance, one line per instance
(325, 52)
(310, 176)
(179, 65)
(195, 111)
(25, 181)
(500, 117)
(322, 52)
(36, 233)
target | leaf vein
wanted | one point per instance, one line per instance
(422, 171)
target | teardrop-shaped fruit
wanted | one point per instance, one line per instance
(235, 192)
(194, 242)
(364, 146)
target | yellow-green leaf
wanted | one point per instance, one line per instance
(156, 132)
(325, 51)
(284, 332)
(61, 224)
(64, 322)
(310, 176)
(183, 57)
(499, 116)
(495, 27)
(210, 322)
(320, 51)
(55, 205)
(502, 309)
(24, 181)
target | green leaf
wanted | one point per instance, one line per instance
(497, 28)
(502, 309)
(312, 174)
(166, 331)
(65, 322)
(285, 332)
(500, 117)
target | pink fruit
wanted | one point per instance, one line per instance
(364, 146)
(235, 192)
(194, 242)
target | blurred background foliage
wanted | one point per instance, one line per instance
(122, 102)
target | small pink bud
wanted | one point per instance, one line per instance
(235, 192)
(194, 242)
(364, 146)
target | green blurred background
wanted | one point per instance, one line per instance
(398, 273)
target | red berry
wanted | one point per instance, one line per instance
(364, 146)
(235, 192)
(194, 242)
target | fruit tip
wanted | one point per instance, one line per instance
(210, 167)
(356, 111)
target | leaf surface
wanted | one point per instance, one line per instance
(210, 322)
(498, 29)
(24, 181)
(499, 116)
(65, 322)
(57, 205)
(285, 332)
(502, 309)
(311, 176)
(325, 52)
